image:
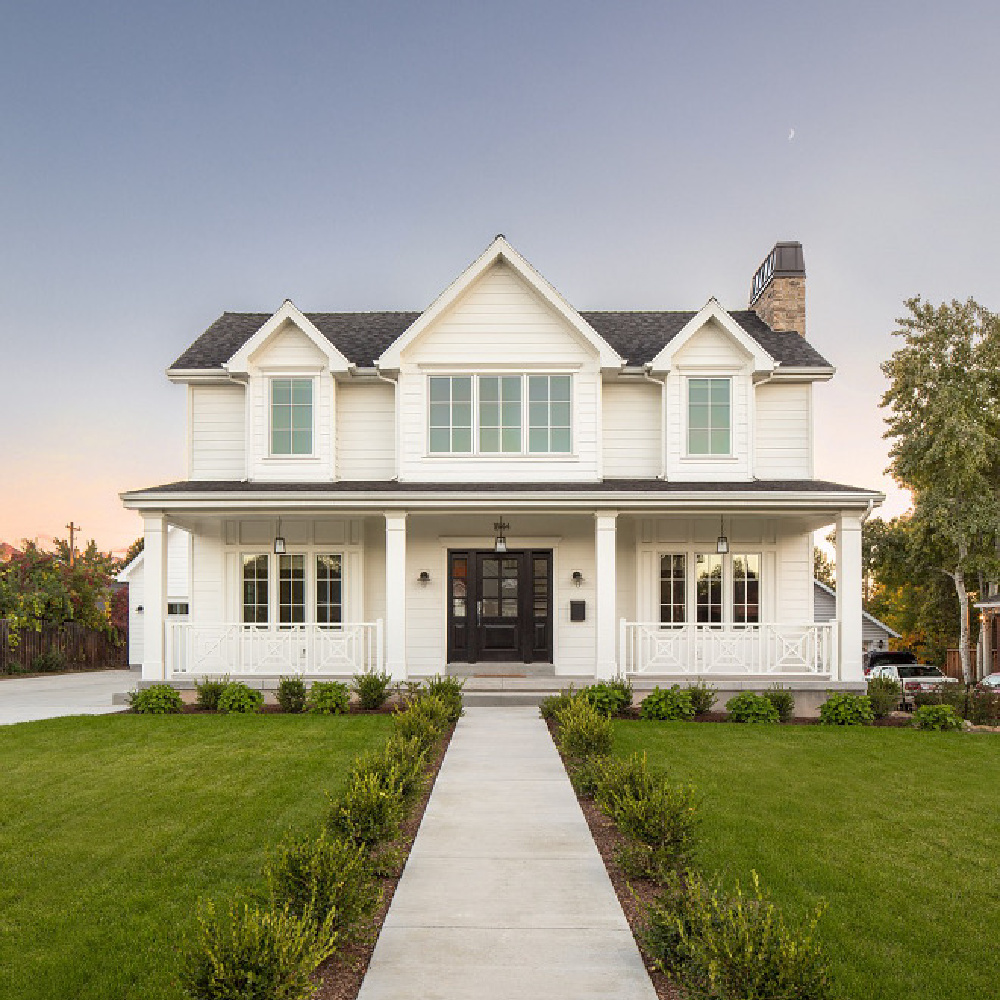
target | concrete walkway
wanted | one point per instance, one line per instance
(505, 895)
(25, 699)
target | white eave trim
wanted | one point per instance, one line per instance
(390, 359)
(762, 360)
(239, 363)
(789, 373)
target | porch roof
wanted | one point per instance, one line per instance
(811, 494)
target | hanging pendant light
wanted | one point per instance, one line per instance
(722, 543)
(500, 542)
(279, 541)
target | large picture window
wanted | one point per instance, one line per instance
(291, 416)
(329, 590)
(746, 589)
(709, 416)
(451, 413)
(255, 590)
(673, 589)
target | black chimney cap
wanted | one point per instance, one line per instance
(786, 260)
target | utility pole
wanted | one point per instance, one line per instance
(73, 529)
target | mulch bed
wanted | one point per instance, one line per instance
(632, 895)
(340, 977)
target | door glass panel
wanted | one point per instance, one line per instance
(672, 589)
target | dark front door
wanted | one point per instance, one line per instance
(500, 607)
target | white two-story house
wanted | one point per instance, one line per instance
(502, 484)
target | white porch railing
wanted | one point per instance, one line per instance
(296, 649)
(809, 648)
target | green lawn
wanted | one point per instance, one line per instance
(112, 827)
(898, 830)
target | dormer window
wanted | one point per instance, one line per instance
(709, 416)
(291, 416)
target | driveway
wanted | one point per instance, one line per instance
(23, 699)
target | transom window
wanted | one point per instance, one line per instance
(291, 416)
(500, 414)
(709, 416)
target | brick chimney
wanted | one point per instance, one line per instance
(778, 289)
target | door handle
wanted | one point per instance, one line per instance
(479, 612)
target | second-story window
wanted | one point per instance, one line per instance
(709, 416)
(451, 413)
(291, 416)
(549, 427)
(500, 413)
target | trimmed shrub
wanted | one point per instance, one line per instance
(254, 954)
(208, 692)
(667, 705)
(783, 700)
(239, 699)
(884, 694)
(723, 946)
(983, 707)
(846, 710)
(750, 707)
(941, 717)
(291, 695)
(608, 699)
(552, 705)
(658, 818)
(703, 697)
(372, 690)
(366, 812)
(622, 684)
(448, 690)
(324, 880)
(583, 732)
(159, 699)
(409, 760)
(328, 698)
(425, 720)
(51, 661)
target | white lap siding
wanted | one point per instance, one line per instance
(631, 429)
(783, 436)
(366, 429)
(217, 432)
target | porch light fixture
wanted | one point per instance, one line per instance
(500, 542)
(279, 541)
(722, 543)
(424, 578)
(577, 578)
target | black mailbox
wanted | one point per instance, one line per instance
(577, 611)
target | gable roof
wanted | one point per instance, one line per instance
(364, 336)
(830, 592)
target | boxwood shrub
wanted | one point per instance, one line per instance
(158, 699)
(291, 695)
(846, 710)
(239, 699)
(328, 698)
(941, 717)
(208, 691)
(750, 707)
(883, 694)
(372, 689)
(669, 704)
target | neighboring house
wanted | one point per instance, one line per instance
(178, 562)
(874, 634)
(503, 480)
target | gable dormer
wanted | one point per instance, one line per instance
(500, 379)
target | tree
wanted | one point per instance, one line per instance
(823, 567)
(943, 405)
(131, 552)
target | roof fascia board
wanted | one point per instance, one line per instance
(202, 376)
(789, 373)
(499, 249)
(286, 312)
(762, 360)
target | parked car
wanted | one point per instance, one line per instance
(906, 670)
(991, 681)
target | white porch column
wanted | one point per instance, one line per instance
(154, 598)
(395, 595)
(849, 573)
(605, 588)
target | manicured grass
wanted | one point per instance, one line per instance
(112, 827)
(899, 831)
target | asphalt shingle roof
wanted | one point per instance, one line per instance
(362, 337)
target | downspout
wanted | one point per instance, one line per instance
(395, 416)
(662, 383)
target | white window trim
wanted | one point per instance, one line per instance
(687, 455)
(310, 580)
(524, 455)
(271, 456)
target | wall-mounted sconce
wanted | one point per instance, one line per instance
(722, 543)
(424, 578)
(500, 542)
(279, 541)
(577, 578)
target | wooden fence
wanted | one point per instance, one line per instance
(65, 647)
(953, 663)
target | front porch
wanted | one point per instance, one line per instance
(576, 590)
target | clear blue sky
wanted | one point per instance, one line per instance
(162, 163)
